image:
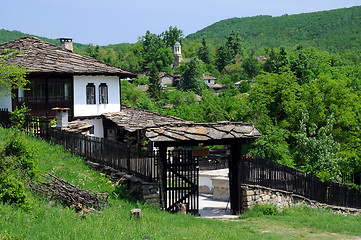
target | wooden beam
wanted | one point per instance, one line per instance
(162, 173)
(235, 177)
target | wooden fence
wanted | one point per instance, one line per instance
(253, 170)
(127, 158)
(120, 156)
(267, 173)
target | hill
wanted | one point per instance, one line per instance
(335, 31)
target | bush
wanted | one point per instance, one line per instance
(12, 190)
(19, 115)
(16, 159)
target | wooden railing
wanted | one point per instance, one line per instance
(127, 158)
(267, 173)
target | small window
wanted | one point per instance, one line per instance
(90, 93)
(103, 93)
(21, 96)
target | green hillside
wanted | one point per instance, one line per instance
(334, 31)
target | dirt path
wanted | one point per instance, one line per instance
(274, 228)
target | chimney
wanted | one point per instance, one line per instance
(61, 117)
(66, 43)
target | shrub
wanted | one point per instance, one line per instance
(12, 190)
(18, 116)
(16, 158)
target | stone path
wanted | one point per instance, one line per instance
(209, 208)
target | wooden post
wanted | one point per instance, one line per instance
(128, 155)
(163, 175)
(235, 178)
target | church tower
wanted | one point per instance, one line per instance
(177, 53)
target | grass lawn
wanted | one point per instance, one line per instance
(55, 221)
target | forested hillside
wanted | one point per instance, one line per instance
(335, 31)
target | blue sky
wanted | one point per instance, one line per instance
(116, 21)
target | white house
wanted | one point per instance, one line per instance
(60, 78)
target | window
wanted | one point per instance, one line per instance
(56, 92)
(103, 93)
(35, 92)
(59, 91)
(21, 96)
(90, 93)
(67, 92)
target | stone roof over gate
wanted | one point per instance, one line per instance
(132, 118)
(188, 131)
(43, 57)
(163, 128)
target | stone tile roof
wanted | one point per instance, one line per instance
(215, 86)
(77, 127)
(208, 77)
(43, 57)
(164, 74)
(188, 131)
(132, 118)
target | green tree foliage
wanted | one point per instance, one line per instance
(203, 52)
(251, 66)
(316, 151)
(234, 44)
(223, 58)
(192, 76)
(276, 62)
(155, 88)
(12, 76)
(336, 31)
(171, 36)
(16, 159)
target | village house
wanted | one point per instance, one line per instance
(87, 90)
(62, 79)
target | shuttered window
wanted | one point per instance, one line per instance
(90, 93)
(103, 93)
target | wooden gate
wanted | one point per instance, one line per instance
(181, 181)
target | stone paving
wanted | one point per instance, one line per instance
(209, 208)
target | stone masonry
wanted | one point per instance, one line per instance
(138, 187)
(254, 194)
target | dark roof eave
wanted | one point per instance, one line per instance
(121, 75)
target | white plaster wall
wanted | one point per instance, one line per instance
(5, 99)
(210, 82)
(98, 127)
(81, 108)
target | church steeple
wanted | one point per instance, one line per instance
(177, 53)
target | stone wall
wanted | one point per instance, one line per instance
(254, 194)
(138, 187)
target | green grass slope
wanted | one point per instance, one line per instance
(56, 221)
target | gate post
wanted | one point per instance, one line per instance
(235, 178)
(163, 175)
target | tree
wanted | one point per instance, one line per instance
(317, 151)
(203, 52)
(155, 88)
(171, 36)
(234, 44)
(251, 66)
(12, 76)
(155, 50)
(192, 76)
(223, 58)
